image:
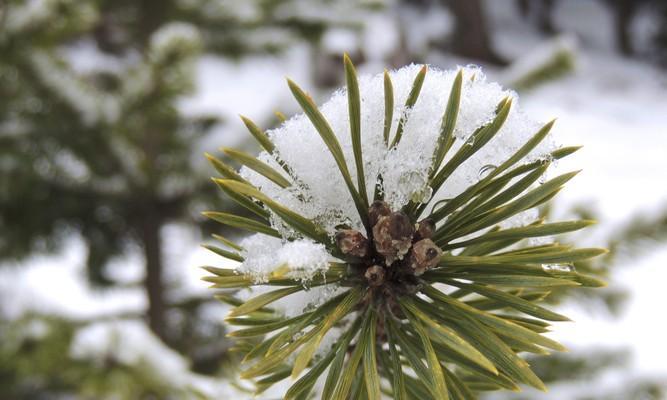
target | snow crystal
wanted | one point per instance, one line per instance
(296, 303)
(320, 192)
(264, 255)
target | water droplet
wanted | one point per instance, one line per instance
(555, 268)
(486, 170)
(423, 195)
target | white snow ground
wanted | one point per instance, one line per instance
(615, 107)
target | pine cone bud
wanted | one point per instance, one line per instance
(352, 243)
(425, 229)
(424, 256)
(376, 210)
(393, 236)
(375, 275)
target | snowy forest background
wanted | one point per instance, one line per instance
(106, 109)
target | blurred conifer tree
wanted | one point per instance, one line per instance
(93, 145)
(103, 152)
(92, 141)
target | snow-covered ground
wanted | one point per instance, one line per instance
(615, 107)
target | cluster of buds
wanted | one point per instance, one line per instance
(395, 243)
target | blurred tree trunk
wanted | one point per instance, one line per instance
(402, 56)
(624, 11)
(152, 246)
(471, 36)
(545, 17)
(543, 13)
(153, 13)
(325, 68)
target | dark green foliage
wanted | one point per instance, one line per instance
(37, 362)
(102, 152)
(98, 154)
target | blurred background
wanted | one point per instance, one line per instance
(106, 109)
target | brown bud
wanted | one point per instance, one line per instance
(424, 256)
(375, 275)
(352, 243)
(400, 227)
(376, 210)
(425, 228)
(393, 236)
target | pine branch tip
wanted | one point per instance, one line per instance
(488, 204)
